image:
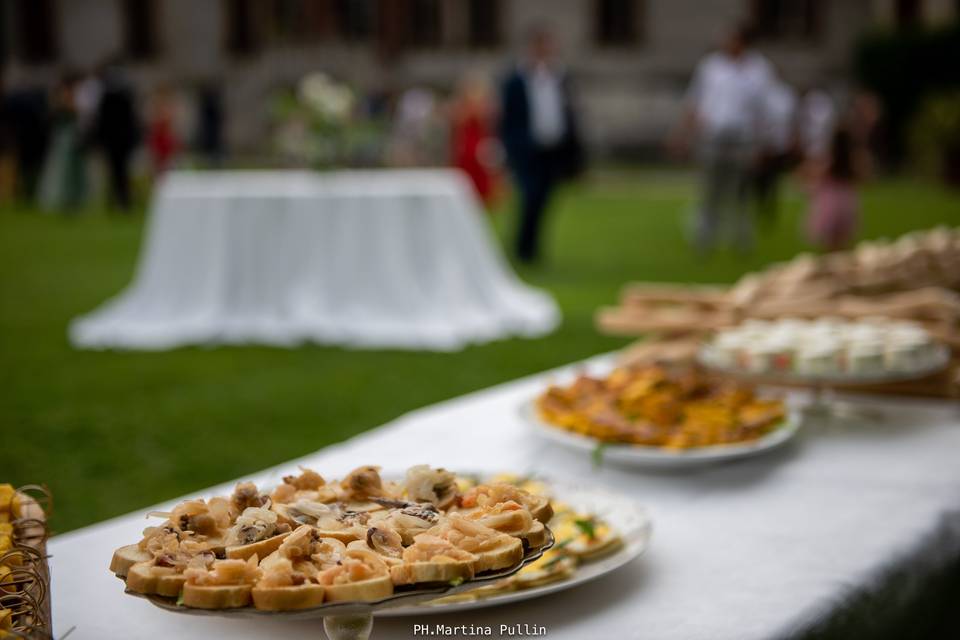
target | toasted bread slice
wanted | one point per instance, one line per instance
(507, 552)
(362, 591)
(262, 548)
(514, 521)
(126, 557)
(146, 577)
(231, 596)
(431, 571)
(540, 508)
(304, 596)
(536, 536)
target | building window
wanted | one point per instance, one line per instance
(426, 23)
(140, 28)
(301, 20)
(242, 35)
(484, 23)
(787, 19)
(908, 13)
(356, 19)
(617, 22)
(35, 26)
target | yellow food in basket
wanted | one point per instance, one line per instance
(6, 497)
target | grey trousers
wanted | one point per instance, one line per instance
(723, 211)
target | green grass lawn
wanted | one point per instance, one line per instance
(111, 432)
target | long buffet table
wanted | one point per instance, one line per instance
(768, 547)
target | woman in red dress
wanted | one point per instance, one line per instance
(163, 143)
(475, 147)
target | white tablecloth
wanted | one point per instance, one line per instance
(748, 550)
(361, 258)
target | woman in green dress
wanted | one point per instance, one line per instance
(63, 182)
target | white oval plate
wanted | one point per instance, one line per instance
(624, 514)
(658, 457)
(941, 358)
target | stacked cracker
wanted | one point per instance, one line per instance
(24, 575)
(916, 277)
(311, 542)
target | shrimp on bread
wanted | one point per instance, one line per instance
(361, 575)
(227, 584)
(432, 559)
(494, 550)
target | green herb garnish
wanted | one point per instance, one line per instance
(456, 582)
(588, 527)
(180, 598)
(597, 454)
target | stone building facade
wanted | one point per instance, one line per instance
(631, 58)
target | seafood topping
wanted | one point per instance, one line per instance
(436, 486)
(363, 482)
(282, 573)
(308, 480)
(300, 543)
(390, 503)
(328, 552)
(253, 525)
(225, 572)
(385, 541)
(246, 495)
(433, 548)
(426, 512)
(356, 565)
(349, 517)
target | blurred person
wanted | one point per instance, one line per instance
(413, 138)
(163, 143)
(209, 120)
(117, 131)
(834, 214)
(63, 180)
(778, 141)
(8, 163)
(865, 119)
(725, 110)
(816, 121)
(87, 96)
(538, 128)
(473, 140)
(26, 117)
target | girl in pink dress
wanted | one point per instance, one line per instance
(834, 214)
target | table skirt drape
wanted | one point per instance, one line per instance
(371, 259)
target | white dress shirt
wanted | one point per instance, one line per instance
(547, 119)
(728, 94)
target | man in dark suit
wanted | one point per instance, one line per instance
(539, 133)
(117, 131)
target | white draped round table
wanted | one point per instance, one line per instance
(395, 259)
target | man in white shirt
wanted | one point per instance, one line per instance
(725, 110)
(539, 134)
